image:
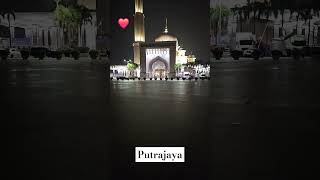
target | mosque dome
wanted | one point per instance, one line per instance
(165, 36)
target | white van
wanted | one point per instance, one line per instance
(186, 75)
(243, 41)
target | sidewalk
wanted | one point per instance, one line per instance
(53, 61)
(249, 60)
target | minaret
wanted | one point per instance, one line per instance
(139, 32)
(166, 28)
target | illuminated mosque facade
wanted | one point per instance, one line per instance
(158, 58)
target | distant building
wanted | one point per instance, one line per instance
(39, 29)
(191, 58)
(158, 58)
(266, 28)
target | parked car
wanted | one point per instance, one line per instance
(187, 75)
(203, 75)
(248, 52)
(14, 53)
(298, 44)
(243, 41)
(236, 54)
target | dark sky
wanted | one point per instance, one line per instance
(296, 3)
(30, 5)
(188, 20)
(48, 5)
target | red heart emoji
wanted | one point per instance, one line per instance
(123, 23)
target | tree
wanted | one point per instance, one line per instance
(85, 17)
(267, 9)
(8, 14)
(237, 11)
(258, 9)
(68, 18)
(131, 66)
(279, 7)
(307, 15)
(74, 25)
(254, 7)
(218, 13)
(62, 16)
(298, 11)
(243, 12)
(177, 68)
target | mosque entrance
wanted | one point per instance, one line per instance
(159, 68)
(156, 61)
(160, 73)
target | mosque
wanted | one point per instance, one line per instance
(158, 58)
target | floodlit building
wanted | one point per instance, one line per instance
(266, 27)
(158, 58)
(39, 29)
(191, 58)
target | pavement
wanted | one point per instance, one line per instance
(252, 120)
(264, 120)
(55, 120)
(51, 61)
(227, 59)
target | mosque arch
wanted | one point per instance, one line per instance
(158, 59)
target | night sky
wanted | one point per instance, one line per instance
(188, 20)
(30, 5)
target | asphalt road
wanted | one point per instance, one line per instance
(265, 120)
(55, 121)
(253, 120)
